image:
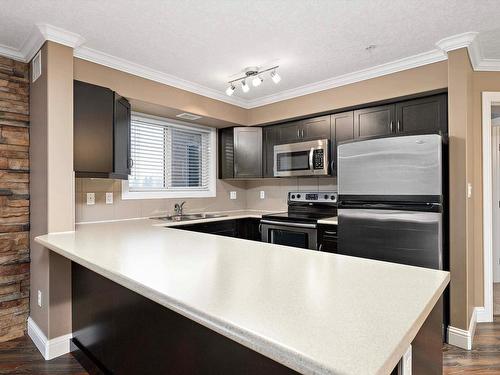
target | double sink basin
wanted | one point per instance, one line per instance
(187, 217)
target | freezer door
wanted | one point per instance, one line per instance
(394, 166)
(405, 237)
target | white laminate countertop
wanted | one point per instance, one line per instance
(315, 312)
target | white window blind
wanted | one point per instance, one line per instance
(170, 157)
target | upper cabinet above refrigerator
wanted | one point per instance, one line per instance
(101, 132)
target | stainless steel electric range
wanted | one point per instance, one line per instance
(298, 227)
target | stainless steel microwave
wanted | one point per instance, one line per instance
(309, 158)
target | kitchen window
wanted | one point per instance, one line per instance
(171, 159)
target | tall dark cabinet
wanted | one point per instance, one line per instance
(101, 134)
(240, 152)
(342, 130)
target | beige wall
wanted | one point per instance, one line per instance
(426, 78)
(145, 93)
(461, 172)
(52, 186)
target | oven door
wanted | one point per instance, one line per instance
(301, 159)
(300, 235)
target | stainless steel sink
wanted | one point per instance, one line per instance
(187, 217)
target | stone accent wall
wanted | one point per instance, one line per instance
(14, 198)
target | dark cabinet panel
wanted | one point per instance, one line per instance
(101, 133)
(374, 121)
(269, 140)
(122, 159)
(316, 128)
(342, 130)
(289, 132)
(240, 152)
(423, 115)
(93, 136)
(247, 228)
(247, 152)
(226, 153)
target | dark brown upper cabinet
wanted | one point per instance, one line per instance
(240, 152)
(269, 140)
(423, 115)
(304, 130)
(101, 132)
(374, 121)
(342, 130)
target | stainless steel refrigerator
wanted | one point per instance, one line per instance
(391, 200)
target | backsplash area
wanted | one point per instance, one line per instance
(247, 197)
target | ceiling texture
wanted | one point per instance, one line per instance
(199, 45)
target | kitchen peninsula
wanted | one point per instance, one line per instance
(268, 308)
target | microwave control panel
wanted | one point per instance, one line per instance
(318, 159)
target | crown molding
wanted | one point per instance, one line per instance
(130, 67)
(11, 53)
(43, 32)
(458, 41)
(479, 63)
(346, 79)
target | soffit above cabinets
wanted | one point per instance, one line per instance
(197, 46)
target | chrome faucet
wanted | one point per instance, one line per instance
(178, 208)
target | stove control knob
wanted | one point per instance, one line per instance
(298, 196)
(293, 196)
(326, 196)
(332, 197)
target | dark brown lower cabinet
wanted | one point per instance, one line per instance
(247, 228)
(327, 238)
(117, 331)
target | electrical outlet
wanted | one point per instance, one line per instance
(232, 195)
(109, 198)
(39, 298)
(262, 194)
(90, 199)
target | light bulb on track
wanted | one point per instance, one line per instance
(244, 86)
(230, 90)
(257, 81)
(275, 76)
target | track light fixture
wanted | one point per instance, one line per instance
(256, 75)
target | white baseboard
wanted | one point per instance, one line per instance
(482, 315)
(462, 338)
(49, 348)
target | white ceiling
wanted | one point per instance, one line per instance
(206, 42)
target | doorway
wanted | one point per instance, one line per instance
(491, 205)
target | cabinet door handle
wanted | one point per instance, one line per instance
(399, 127)
(298, 133)
(391, 127)
(302, 133)
(320, 247)
(130, 162)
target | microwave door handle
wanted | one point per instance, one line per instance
(311, 157)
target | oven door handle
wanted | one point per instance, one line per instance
(287, 224)
(311, 158)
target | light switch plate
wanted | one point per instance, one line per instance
(90, 199)
(109, 198)
(469, 190)
(39, 298)
(262, 194)
(232, 195)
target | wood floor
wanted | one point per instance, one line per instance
(20, 356)
(484, 358)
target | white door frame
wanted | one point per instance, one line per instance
(486, 314)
